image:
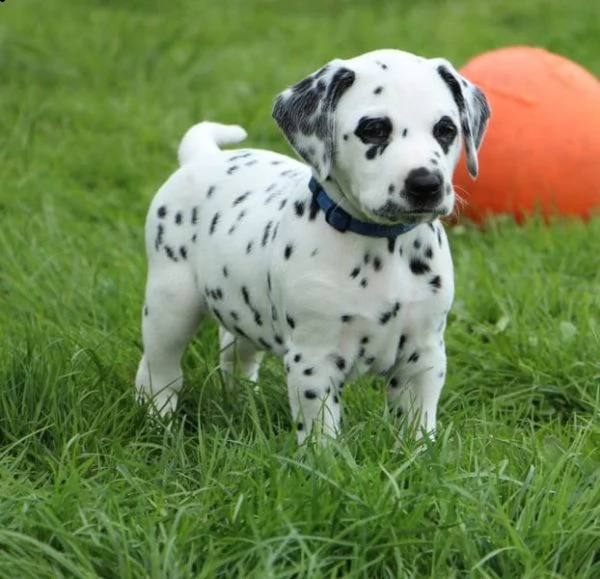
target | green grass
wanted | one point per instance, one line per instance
(94, 96)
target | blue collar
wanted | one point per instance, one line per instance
(343, 221)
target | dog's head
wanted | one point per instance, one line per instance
(387, 128)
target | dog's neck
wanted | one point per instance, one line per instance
(334, 191)
(344, 220)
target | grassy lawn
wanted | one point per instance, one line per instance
(94, 97)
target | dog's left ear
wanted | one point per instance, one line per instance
(473, 108)
(306, 114)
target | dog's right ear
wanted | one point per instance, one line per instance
(306, 114)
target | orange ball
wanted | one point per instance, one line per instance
(541, 153)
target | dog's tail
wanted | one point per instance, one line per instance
(207, 137)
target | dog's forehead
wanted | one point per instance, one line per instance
(396, 80)
(387, 60)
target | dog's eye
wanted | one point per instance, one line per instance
(445, 132)
(374, 131)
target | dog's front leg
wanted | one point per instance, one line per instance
(314, 388)
(415, 386)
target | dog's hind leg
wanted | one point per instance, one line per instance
(238, 354)
(172, 312)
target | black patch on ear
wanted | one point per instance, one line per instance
(473, 110)
(457, 94)
(342, 80)
(307, 109)
(481, 115)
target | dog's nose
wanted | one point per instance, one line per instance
(423, 184)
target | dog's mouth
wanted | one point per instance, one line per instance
(392, 213)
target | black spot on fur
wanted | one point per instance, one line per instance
(225, 271)
(418, 267)
(266, 233)
(282, 204)
(170, 253)
(417, 244)
(429, 252)
(194, 215)
(364, 282)
(160, 230)
(300, 426)
(391, 241)
(439, 236)
(194, 237)
(232, 169)
(240, 156)
(354, 273)
(378, 90)
(299, 208)
(264, 343)
(310, 394)
(364, 340)
(340, 363)
(297, 358)
(210, 192)
(377, 263)
(162, 211)
(183, 252)
(290, 321)
(436, 282)
(385, 318)
(278, 339)
(288, 251)
(145, 310)
(405, 133)
(308, 371)
(218, 315)
(346, 318)
(401, 342)
(414, 357)
(246, 295)
(179, 218)
(249, 247)
(213, 223)
(241, 198)
(239, 331)
(394, 383)
(234, 316)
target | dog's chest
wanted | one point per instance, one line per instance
(362, 295)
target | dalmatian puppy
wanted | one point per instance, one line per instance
(341, 265)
